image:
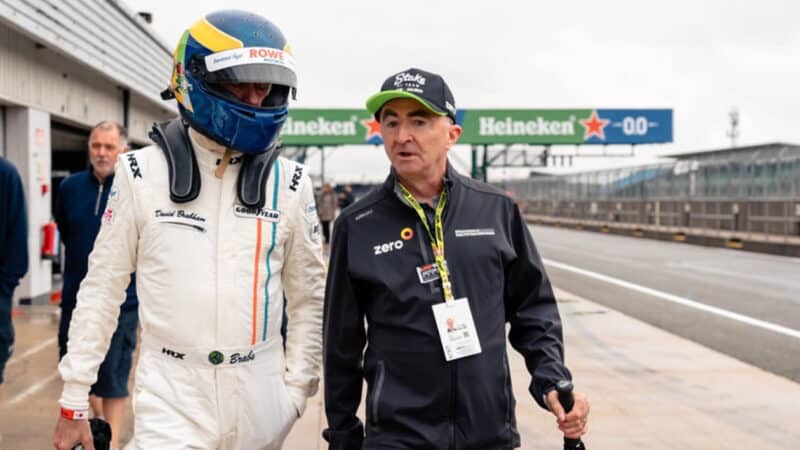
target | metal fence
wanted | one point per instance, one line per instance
(754, 193)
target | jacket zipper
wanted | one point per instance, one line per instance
(453, 366)
(99, 196)
(376, 394)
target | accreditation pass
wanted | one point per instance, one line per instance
(456, 329)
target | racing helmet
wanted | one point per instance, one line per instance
(233, 47)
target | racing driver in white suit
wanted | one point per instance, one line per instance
(217, 229)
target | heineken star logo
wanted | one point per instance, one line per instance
(594, 126)
(373, 134)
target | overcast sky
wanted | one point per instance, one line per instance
(700, 58)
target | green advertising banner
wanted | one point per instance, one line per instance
(329, 127)
(566, 126)
(529, 126)
(493, 126)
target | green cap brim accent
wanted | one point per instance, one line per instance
(377, 101)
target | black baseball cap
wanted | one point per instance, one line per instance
(427, 88)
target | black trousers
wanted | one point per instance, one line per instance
(326, 230)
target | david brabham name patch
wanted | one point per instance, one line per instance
(270, 215)
(180, 217)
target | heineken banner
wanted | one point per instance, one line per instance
(330, 127)
(493, 126)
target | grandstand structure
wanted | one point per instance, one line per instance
(737, 193)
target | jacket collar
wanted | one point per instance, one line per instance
(93, 179)
(207, 151)
(450, 174)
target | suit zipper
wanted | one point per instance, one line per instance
(99, 196)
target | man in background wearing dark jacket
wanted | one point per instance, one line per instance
(13, 253)
(79, 210)
(438, 263)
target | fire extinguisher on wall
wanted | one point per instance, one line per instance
(50, 241)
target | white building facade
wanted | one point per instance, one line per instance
(65, 66)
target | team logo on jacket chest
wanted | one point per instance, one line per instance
(405, 234)
(298, 173)
(270, 215)
(173, 353)
(388, 247)
(136, 171)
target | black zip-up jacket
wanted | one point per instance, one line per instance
(415, 399)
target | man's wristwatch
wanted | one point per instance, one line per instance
(74, 414)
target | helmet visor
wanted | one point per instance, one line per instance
(254, 73)
(251, 65)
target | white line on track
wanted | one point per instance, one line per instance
(679, 300)
(32, 390)
(15, 358)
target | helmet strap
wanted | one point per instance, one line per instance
(224, 163)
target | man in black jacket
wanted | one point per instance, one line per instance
(438, 264)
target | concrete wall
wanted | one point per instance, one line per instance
(28, 147)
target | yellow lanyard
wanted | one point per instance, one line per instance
(437, 239)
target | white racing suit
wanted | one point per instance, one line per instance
(211, 277)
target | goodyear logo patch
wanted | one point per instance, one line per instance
(269, 215)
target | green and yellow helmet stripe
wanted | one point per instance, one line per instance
(180, 50)
(178, 81)
(212, 37)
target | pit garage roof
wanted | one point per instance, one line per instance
(104, 35)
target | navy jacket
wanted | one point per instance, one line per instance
(416, 399)
(79, 210)
(13, 251)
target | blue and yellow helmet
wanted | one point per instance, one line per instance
(233, 47)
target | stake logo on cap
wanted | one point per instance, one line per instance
(427, 88)
(409, 82)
